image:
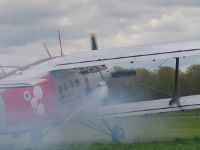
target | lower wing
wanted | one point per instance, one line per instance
(144, 108)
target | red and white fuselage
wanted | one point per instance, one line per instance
(58, 96)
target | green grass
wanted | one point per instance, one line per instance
(170, 145)
(172, 131)
(178, 144)
(158, 132)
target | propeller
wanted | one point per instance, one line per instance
(93, 42)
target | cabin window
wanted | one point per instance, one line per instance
(92, 70)
(65, 86)
(71, 84)
(60, 89)
(87, 83)
(77, 82)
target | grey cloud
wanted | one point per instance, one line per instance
(170, 2)
(116, 22)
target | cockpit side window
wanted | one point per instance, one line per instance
(71, 84)
(65, 86)
(77, 82)
(60, 89)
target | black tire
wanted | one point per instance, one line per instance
(36, 137)
(117, 134)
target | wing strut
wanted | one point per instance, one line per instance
(175, 98)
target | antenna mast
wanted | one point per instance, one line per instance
(47, 50)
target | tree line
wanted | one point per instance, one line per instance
(157, 84)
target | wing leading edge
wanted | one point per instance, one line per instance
(130, 54)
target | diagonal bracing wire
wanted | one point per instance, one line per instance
(149, 86)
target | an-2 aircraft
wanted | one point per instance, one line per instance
(54, 90)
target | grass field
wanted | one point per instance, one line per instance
(159, 132)
(178, 144)
(167, 145)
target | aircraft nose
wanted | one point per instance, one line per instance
(3, 120)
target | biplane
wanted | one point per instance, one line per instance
(37, 93)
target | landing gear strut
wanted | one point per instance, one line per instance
(116, 133)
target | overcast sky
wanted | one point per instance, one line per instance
(26, 24)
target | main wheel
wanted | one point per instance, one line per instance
(36, 137)
(117, 134)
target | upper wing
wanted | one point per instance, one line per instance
(144, 108)
(130, 54)
(6, 83)
(10, 62)
(117, 56)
